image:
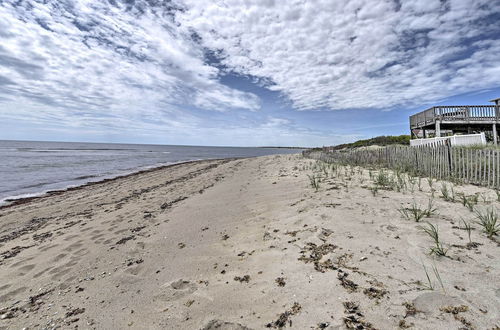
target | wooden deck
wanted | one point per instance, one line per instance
(455, 115)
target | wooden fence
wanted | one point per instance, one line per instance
(474, 166)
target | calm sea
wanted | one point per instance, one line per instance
(32, 168)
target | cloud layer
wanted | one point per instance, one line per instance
(148, 67)
(107, 57)
(358, 53)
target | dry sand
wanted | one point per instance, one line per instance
(238, 244)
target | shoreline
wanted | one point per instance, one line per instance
(12, 201)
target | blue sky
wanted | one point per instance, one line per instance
(237, 72)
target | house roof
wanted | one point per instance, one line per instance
(495, 100)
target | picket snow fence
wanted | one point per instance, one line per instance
(444, 162)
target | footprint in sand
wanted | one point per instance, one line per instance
(4, 287)
(42, 272)
(223, 325)
(176, 290)
(390, 230)
(74, 246)
(68, 238)
(112, 228)
(134, 270)
(59, 272)
(96, 236)
(183, 285)
(120, 231)
(12, 294)
(20, 263)
(48, 247)
(80, 252)
(23, 270)
(59, 257)
(431, 302)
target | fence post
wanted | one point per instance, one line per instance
(416, 161)
(448, 149)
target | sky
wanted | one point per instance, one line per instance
(239, 72)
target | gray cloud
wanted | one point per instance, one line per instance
(144, 65)
(119, 56)
(358, 53)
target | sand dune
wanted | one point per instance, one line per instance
(243, 244)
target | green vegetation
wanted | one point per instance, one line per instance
(469, 201)
(489, 221)
(314, 181)
(413, 213)
(379, 140)
(416, 213)
(431, 210)
(448, 194)
(430, 182)
(383, 180)
(438, 248)
(430, 284)
(468, 228)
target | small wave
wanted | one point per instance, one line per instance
(61, 186)
(8, 200)
(83, 177)
(36, 185)
(70, 149)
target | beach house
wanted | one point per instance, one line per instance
(446, 120)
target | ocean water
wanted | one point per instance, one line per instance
(30, 168)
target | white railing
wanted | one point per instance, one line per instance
(455, 140)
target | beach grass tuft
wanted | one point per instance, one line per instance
(314, 181)
(430, 283)
(383, 180)
(433, 231)
(413, 213)
(489, 221)
(447, 194)
(468, 228)
(431, 209)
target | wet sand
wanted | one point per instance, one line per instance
(243, 244)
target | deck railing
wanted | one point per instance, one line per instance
(455, 140)
(467, 113)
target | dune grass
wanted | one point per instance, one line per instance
(314, 180)
(433, 231)
(489, 221)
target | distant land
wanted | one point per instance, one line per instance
(378, 140)
(270, 147)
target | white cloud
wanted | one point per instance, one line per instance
(142, 66)
(358, 53)
(92, 56)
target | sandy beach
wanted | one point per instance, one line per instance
(245, 244)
